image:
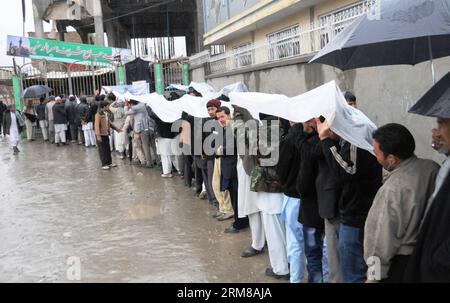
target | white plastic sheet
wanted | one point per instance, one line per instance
(326, 100)
(136, 89)
(170, 111)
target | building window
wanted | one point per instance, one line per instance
(217, 49)
(242, 55)
(334, 22)
(284, 43)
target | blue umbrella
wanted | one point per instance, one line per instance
(36, 91)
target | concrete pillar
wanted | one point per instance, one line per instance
(99, 31)
(200, 26)
(111, 34)
(190, 43)
(37, 16)
(98, 22)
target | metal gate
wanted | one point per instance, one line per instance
(172, 72)
(86, 79)
(69, 78)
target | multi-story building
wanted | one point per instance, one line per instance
(258, 32)
(267, 44)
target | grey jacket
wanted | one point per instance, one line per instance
(392, 225)
(141, 118)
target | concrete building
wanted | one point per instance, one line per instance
(267, 45)
(123, 21)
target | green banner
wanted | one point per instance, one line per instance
(16, 92)
(121, 71)
(159, 86)
(53, 50)
(186, 74)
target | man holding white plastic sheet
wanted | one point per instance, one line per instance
(141, 126)
(313, 224)
(212, 107)
(228, 162)
(360, 175)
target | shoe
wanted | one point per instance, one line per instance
(73, 141)
(166, 176)
(218, 214)
(15, 150)
(270, 273)
(105, 167)
(149, 165)
(250, 252)
(113, 165)
(57, 144)
(203, 195)
(231, 230)
(225, 217)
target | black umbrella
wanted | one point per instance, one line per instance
(436, 102)
(36, 91)
(404, 32)
(31, 117)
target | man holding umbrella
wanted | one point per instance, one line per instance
(430, 259)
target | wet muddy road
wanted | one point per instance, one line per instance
(123, 225)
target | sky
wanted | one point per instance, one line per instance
(11, 24)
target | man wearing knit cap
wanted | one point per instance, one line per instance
(214, 103)
(206, 162)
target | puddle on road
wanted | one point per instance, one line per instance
(142, 212)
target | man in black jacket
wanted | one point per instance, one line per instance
(228, 163)
(361, 176)
(313, 224)
(430, 261)
(2, 110)
(60, 121)
(329, 191)
(209, 157)
(79, 129)
(43, 124)
(71, 117)
(287, 171)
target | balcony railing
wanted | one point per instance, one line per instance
(304, 40)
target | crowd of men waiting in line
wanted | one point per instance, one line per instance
(326, 207)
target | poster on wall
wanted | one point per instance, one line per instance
(53, 50)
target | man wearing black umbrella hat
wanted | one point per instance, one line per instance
(430, 259)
